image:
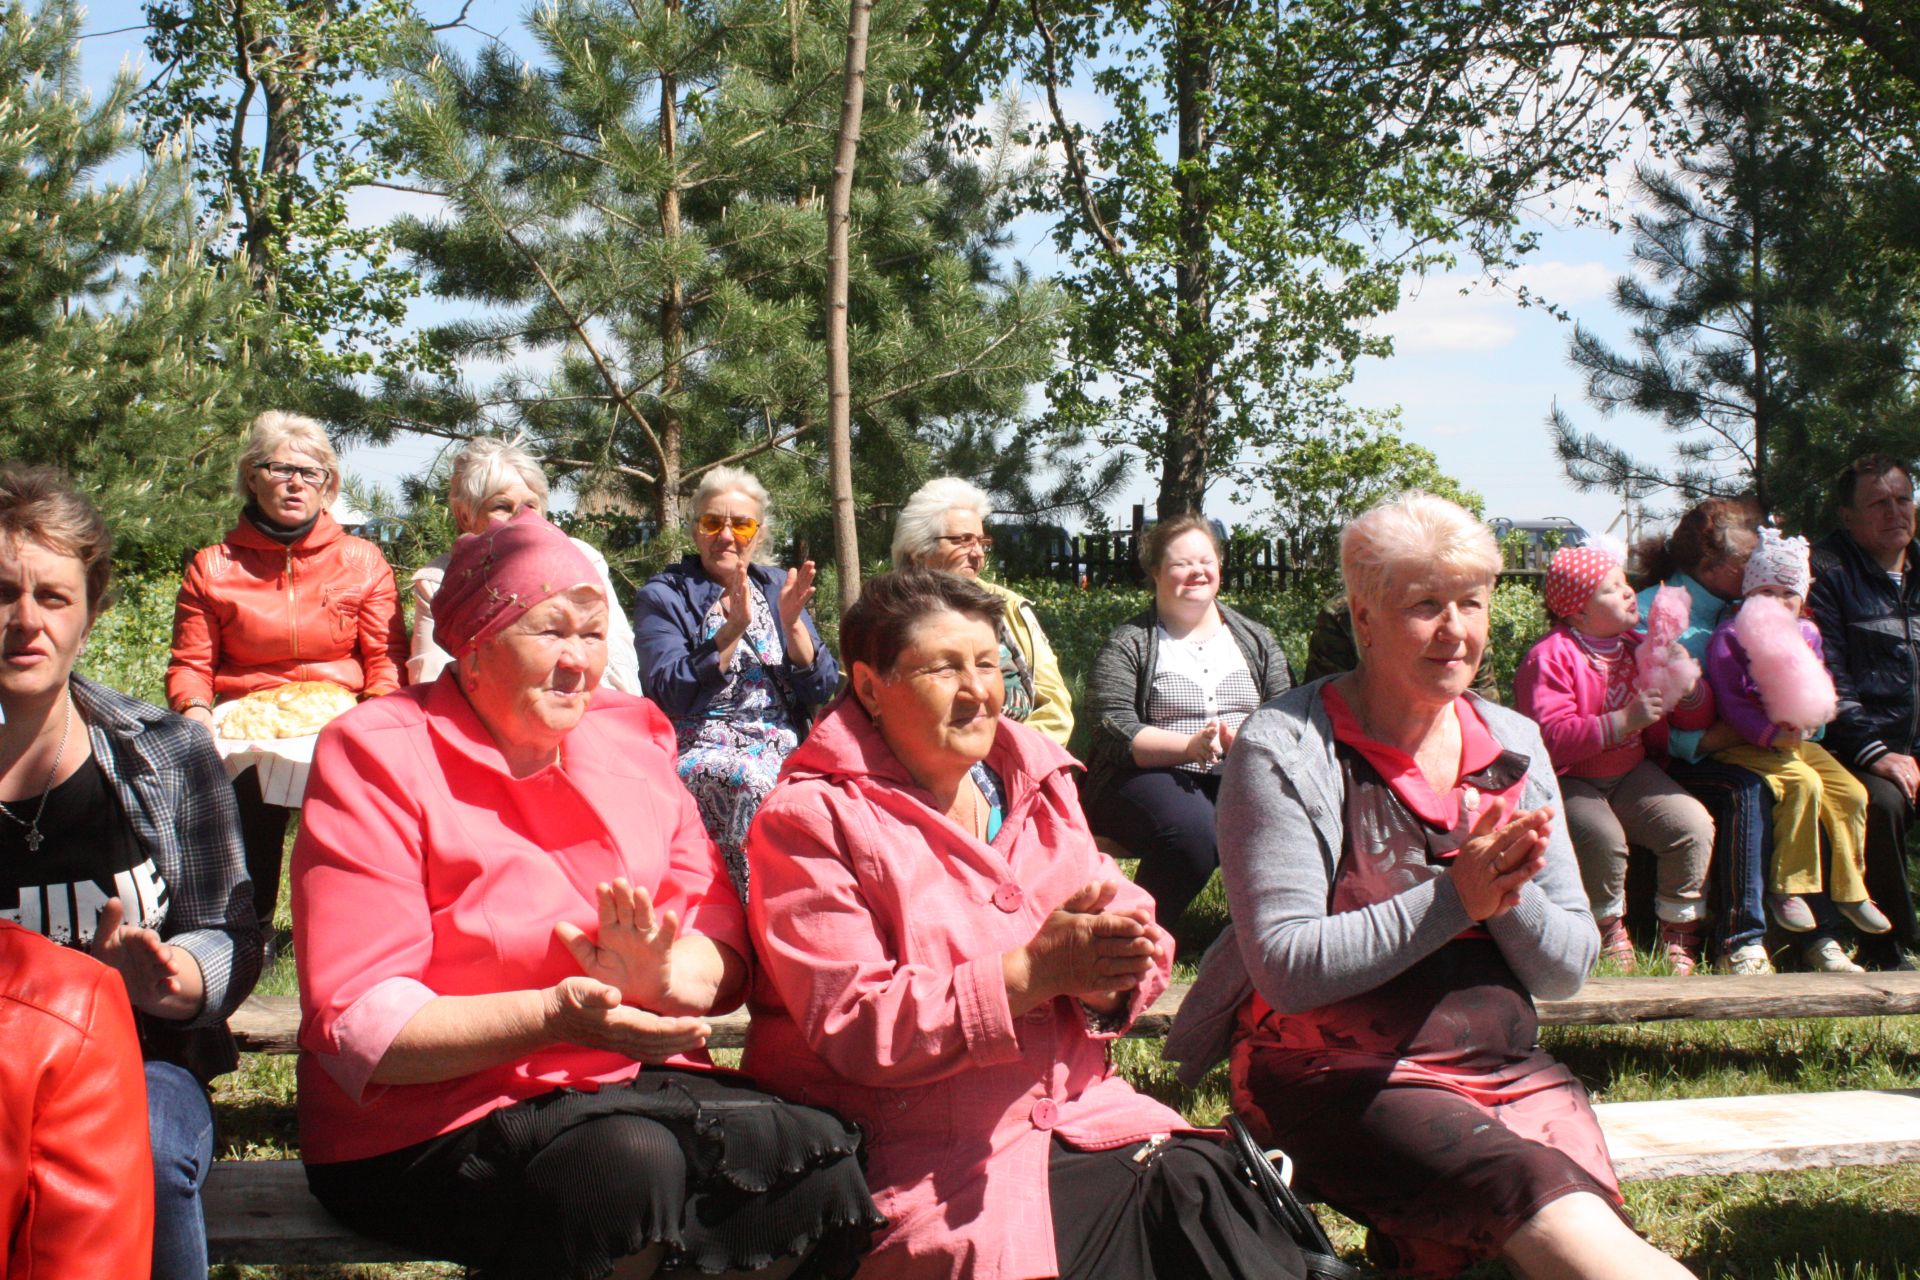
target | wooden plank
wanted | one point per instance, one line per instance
(260, 1211)
(1730, 998)
(270, 1024)
(1675, 1138)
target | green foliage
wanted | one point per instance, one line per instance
(124, 357)
(1776, 322)
(132, 639)
(262, 95)
(639, 205)
(1320, 477)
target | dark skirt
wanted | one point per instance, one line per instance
(1163, 1211)
(726, 1177)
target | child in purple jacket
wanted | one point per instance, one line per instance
(1577, 684)
(1811, 789)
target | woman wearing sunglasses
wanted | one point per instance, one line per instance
(287, 595)
(729, 651)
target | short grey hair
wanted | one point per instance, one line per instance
(488, 465)
(271, 430)
(733, 480)
(1414, 530)
(923, 520)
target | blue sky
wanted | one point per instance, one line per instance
(1473, 373)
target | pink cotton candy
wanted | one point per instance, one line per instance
(1795, 688)
(1661, 663)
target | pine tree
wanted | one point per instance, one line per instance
(639, 214)
(1775, 319)
(123, 357)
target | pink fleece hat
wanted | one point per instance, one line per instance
(496, 576)
(1573, 575)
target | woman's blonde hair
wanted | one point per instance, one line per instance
(733, 480)
(273, 429)
(488, 465)
(923, 519)
(1413, 530)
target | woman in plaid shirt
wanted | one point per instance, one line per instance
(119, 835)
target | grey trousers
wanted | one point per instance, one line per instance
(1642, 806)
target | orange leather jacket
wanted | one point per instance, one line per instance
(253, 614)
(76, 1168)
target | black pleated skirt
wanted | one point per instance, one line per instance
(559, 1187)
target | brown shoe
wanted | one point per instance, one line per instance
(1615, 945)
(1682, 945)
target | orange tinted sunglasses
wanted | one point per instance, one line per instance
(744, 527)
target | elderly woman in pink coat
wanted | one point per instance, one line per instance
(945, 955)
(512, 928)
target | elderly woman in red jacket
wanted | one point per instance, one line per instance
(287, 595)
(945, 957)
(511, 929)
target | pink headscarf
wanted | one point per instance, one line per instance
(1573, 575)
(496, 576)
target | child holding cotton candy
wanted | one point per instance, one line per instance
(1600, 711)
(1771, 685)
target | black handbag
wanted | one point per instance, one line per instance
(1322, 1262)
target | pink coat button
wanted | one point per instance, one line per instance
(1008, 897)
(1045, 1114)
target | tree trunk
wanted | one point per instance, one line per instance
(846, 536)
(1190, 394)
(672, 305)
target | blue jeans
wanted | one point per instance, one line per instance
(181, 1121)
(1742, 809)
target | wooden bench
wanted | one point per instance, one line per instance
(260, 1211)
(271, 1024)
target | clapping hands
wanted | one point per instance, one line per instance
(1494, 865)
(162, 980)
(634, 952)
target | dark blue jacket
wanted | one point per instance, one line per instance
(1871, 630)
(680, 670)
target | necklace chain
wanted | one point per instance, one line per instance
(35, 838)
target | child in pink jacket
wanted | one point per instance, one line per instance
(1578, 684)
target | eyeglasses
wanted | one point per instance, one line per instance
(744, 527)
(965, 541)
(312, 477)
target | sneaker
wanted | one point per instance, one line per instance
(1750, 960)
(1681, 942)
(1615, 945)
(1791, 912)
(1824, 955)
(1864, 916)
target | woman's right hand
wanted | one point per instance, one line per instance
(1206, 747)
(588, 1013)
(737, 609)
(1083, 951)
(200, 716)
(1499, 858)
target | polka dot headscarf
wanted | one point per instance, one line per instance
(1573, 575)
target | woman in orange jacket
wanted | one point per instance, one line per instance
(287, 595)
(76, 1194)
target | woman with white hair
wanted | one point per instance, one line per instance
(287, 595)
(493, 481)
(729, 651)
(1401, 893)
(943, 526)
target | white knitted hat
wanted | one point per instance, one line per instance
(1777, 562)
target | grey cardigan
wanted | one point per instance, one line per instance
(1121, 679)
(1281, 837)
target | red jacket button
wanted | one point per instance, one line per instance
(1045, 1114)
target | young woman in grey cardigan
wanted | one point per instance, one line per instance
(1167, 694)
(1401, 889)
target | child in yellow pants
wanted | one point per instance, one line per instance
(1811, 789)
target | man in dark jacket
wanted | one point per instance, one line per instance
(1866, 601)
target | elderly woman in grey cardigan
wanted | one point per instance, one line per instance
(1401, 890)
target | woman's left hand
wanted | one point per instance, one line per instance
(162, 980)
(796, 593)
(1495, 864)
(634, 951)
